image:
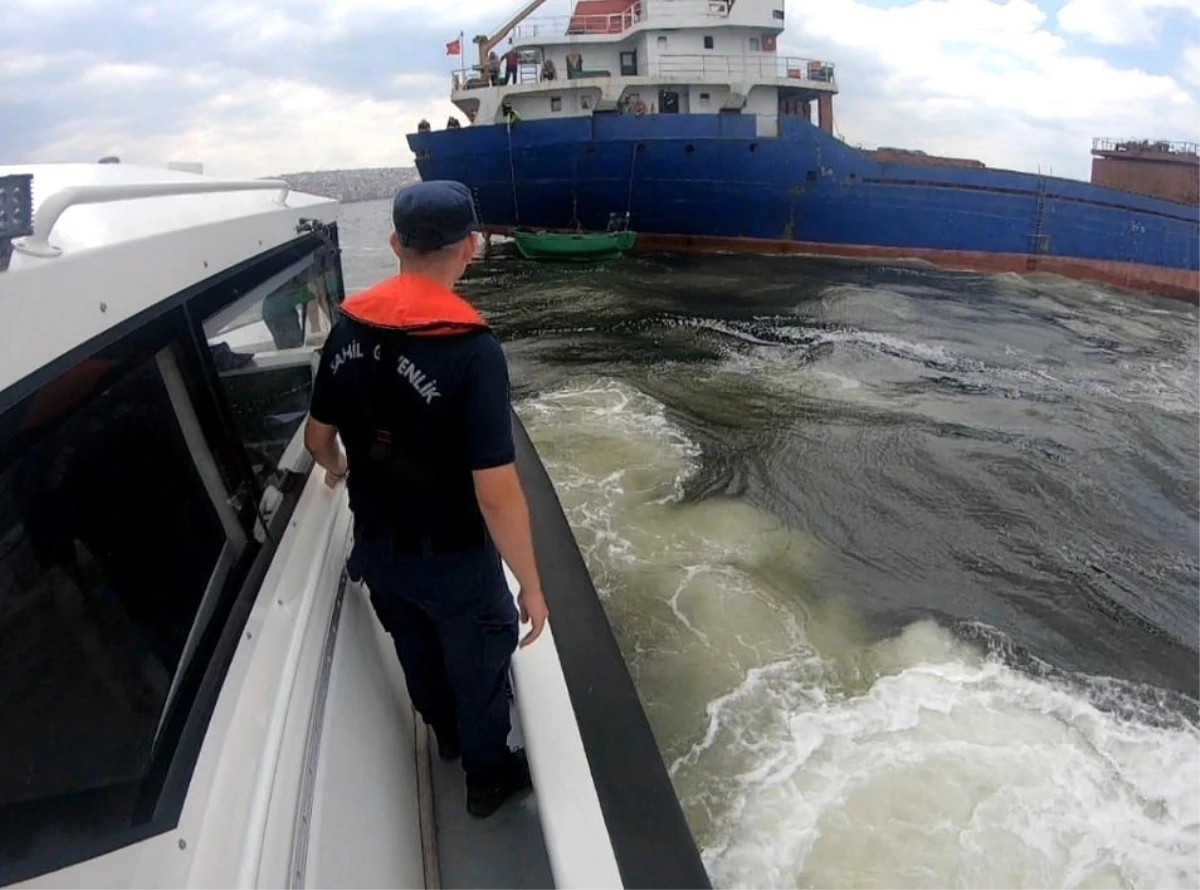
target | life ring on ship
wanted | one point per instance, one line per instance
(639, 107)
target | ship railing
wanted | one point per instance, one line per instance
(686, 12)
(540, 30)
(531, 69)
(474, 78)
(1142, 146)
(765, 66)
(468, 79)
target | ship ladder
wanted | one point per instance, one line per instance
(1039, 241)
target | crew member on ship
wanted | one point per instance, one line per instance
(417, 386)
(511, 60)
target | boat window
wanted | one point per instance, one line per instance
(556, 103)
(112, 544)
(264, 347)
(753, 44)
(708, 42)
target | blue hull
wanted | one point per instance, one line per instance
(709, 176)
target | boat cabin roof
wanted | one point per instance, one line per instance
(170, 229)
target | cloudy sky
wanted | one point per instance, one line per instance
(255, 87)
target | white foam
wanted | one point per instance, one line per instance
(855, 370)
(804, 758)
(606, 445)
(948, 770)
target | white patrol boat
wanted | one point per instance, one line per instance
(193, 694)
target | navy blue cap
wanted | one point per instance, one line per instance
(431, 215)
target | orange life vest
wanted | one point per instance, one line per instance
(416, 305)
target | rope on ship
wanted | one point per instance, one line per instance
(632, 164)
(512, 173)
(575, 224)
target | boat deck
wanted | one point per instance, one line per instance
(505, 850)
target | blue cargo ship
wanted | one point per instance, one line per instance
(681, 115)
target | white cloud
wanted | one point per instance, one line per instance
(979, 78)
(457, 14)
(1189, 69)
(24, 74)
(20, 65)
(250, 26)
(1122, 22)
(50, 6)
(120, 75)
(252, 126)
(983, 79)
(296, 23)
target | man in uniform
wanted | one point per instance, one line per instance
(416, 384)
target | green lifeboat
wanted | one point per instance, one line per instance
(573, 245)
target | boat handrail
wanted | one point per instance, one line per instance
(47, 215)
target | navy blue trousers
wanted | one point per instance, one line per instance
(455, 627)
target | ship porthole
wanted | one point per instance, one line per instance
(641, 147)
(689, 148)
(753, 147)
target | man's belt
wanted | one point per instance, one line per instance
(407, 542)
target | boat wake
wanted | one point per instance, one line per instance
(810, 750)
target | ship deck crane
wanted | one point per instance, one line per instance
(486, 44)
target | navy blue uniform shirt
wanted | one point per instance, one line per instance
(417, 414)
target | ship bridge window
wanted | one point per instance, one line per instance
(777, 14)
(708, 41)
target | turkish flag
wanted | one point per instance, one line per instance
(454, 48)
(768, 43)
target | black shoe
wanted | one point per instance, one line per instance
(485, 799)
(449, 746)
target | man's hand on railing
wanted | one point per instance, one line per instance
(532, 603)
